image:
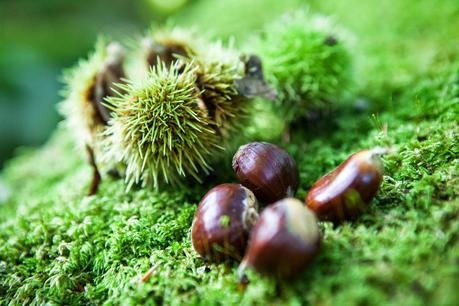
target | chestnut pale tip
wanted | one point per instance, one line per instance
(284, 240)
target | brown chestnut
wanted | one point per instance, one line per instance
(269, 171)
(284, 240)
(346, 191)
(223, 221)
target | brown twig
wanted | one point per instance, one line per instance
(96, 178)
(148, 274)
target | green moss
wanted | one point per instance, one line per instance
(404, 38)
(58, 246)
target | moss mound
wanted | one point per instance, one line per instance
(58, 246)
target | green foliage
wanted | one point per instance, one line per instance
(306, 58)
(397, 41)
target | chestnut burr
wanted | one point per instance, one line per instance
(223, 221)
(344, 193)
(266, 169)
(111, 73)
(284, 240)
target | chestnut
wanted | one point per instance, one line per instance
(269, 171)
(284, 240)
(223, 221)
(345, 192)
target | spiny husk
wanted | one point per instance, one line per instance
(159, 128)
(306, 58)
(218, 69)
(87, 85)
(160, 45)
(78, 109)
(168, 45)
(172, 117)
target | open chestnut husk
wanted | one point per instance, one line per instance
(284, 241)
(345, 193)
(266, 169)
(223, 221)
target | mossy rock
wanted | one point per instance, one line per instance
(59, 246)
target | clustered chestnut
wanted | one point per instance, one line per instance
(267, 170)
(222, 222)
(285, 238)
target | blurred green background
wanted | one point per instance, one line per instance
(40, 38)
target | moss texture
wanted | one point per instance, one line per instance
(58, 246)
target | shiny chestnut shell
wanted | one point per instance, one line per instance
(344, 193)
(284, 240)
(223, 221)
(269, 171)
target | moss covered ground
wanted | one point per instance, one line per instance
(58, 246)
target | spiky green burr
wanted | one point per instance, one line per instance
(86, 86)
(176, 112)
(176, 120)
(306, 58)
(217, 68)
(168, 45)
(159, 127)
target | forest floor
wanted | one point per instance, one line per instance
(59, 246)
